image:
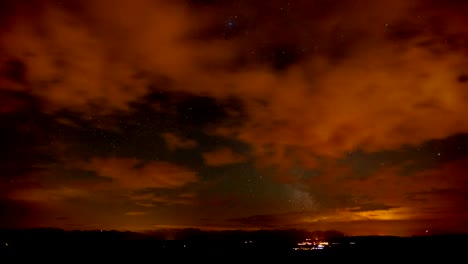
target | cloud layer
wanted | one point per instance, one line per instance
(157, 104)
(388, 87)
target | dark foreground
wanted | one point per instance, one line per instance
(66, 247)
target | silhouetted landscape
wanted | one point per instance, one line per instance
(194, 244)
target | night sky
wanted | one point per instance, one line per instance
(238, 114)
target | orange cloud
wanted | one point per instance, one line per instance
(387, 202)
(135, 213)
(427, 194)
(120, 180)
(133, 174)
(90, 59)
(222, 157)
(379, 100)
(48, 195)
(153, 199)
(175, 142)
(381, 93)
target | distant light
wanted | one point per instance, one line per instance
(352, 243)
(427, 231)
(6, 244)
(184, 246)
(101, 230)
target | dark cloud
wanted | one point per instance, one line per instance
(15, 70)
(167, 197)
(462, 78)
(24, 138)
(372, 207)
(200, 111)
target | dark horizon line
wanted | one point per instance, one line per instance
(218, 231)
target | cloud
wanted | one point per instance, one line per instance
(121, 180)
(87, 58)
(331, 119)
(133, 174)
(222, 157)
(48, 195)
(349, 223)
(310, 89)
(11, 102)
(92, 59)
(150, 199)
(385, 92)
(390, 194)
(339, 199)
(135, 213)
(371, 207)
(175, 142)
(302, 219)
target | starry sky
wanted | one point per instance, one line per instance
(235, 114)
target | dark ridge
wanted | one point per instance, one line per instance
(193, 245)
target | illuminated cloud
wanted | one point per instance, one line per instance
(135, 213)
(175, 142)
(410, 97)
(369, 207)
(48, 195)
(134, 174)
(89, 59)
(151, 199)
(222, 157)
(420, 195)
(308, 89)
(388, 201)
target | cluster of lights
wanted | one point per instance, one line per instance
(307, 248)
(309, 244)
